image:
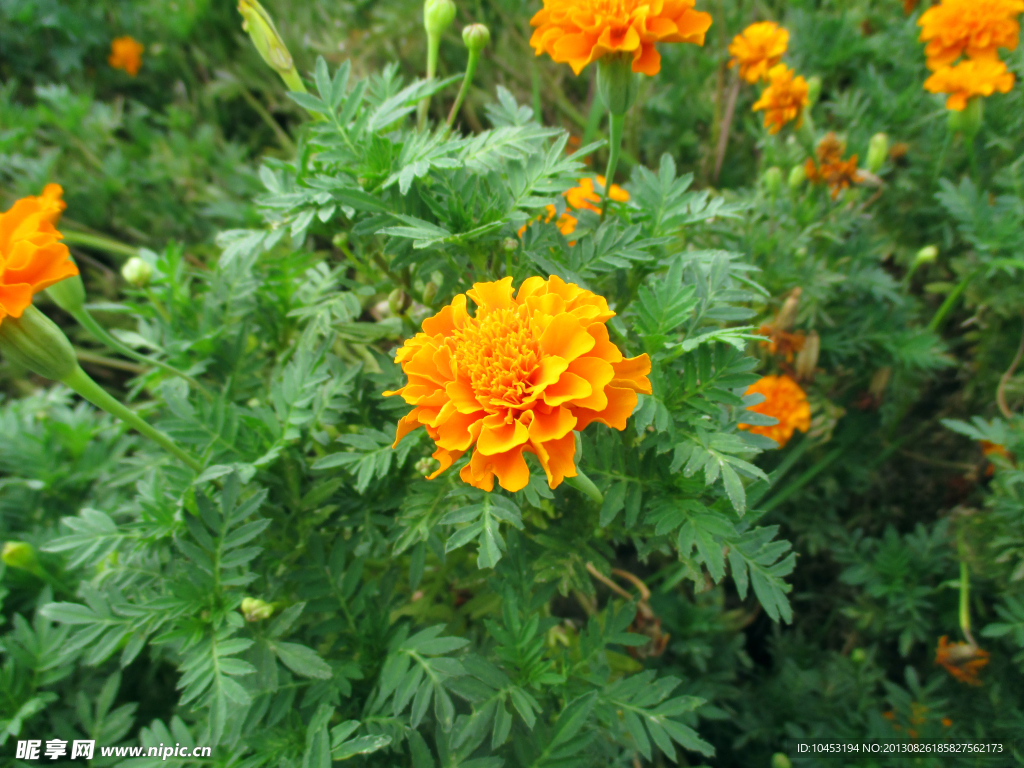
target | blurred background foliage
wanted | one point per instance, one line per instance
(882, 499)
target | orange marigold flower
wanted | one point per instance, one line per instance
(783, 400)
(126, 54)
(579, 32)
(974, 77)
(585, 196)
(519, 376)
(962, 660)
(32, 258)
(784, 99)
(782, 343)
(757, 49)
(978, 28)
(51, 202)
(837, 173)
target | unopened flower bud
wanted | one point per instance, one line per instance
(257, 22)
(926, 255)
(857, 656)
(398, 301)
(254, 609)
(438, 15)
(429, 293)
(476, 37)
(807, 358)
(813, 90)
(787, 315)
(878, 151)
(779, 760)
(797, 177)
(426, 465)
(510, 244)
(33, 341)
(772, 180)
(68, 294)
(20, 554)
(340, 240)
(137, 272)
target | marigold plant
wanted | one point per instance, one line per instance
(968, 79)
(784, 100)
(962, 660)
(521, 375)
(32, 258)
(783, 400)
(977, 28)
(831, 169)
(579, 32)
(757, 49)
(126, 54)
(583, 197)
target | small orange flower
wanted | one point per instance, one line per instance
(978, 28)
(126, 54)
(579, 32)
(962, 660)
(837, 173)
(784, 99)
(947, 723)
(32, 258)
(580, 198)
(521, 375)
(757, 49)
(785, 401)
(974, 77)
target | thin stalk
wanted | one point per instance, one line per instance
(593, 121)
(80, 382)
(616, 124)
(951, 300)
(99, 242)
(88, 322)
(801, 481)
(467, 80)
(942, 156)
(433, 52)
(282, 138)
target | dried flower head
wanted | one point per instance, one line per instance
(783, 400)
(757, 49)
(784, 99)
(977, 28)
(521, 375)
(32, 258)
(126, 54)
(974, 77)
(579, 32)
(962, 660)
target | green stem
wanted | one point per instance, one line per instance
(80, 382)
(88, 322)
(951, 300)
(593, 125)
(433, 51)
(586, 486)
(474, 59)
(942, 156)
(616, 124)
(294, 81)
(99, 242)
(801, 481)
(965, 598)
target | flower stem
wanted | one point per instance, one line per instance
(80, 382)
(951, 300)
(88, 322)
(616, 124)
(474, 59)
(586, 486)
(433, 50)
(99, 242)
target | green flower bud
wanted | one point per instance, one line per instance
(510, 244)
(476, 37)
(878, 151)
(429, 293)
(438, 15)
(857, 656)
(772, 180)
(398, 301)
(426, 465)
(813, 91)
(779, 760)
(256, 610)
(137, 272)
(797, 177)
(33, 341)
(20, 554)
(926, 255)
(617, 83)
(257, 22)
(68, 294)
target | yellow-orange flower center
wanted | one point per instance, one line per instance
(499, 352)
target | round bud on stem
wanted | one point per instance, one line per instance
(878, 151)
(254, 609)
(429, 293)
(780, 760)
(772, 180)
(476, 37)
(438, 15)
(260, 27)
(797, 177)
(21, 555)
(137, 272)
(926, 255)
(813, 90)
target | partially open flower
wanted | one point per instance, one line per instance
(978, 28)
(962, 660)
(32, 258)
(519, 376)
(785, 401)
(583, 197)
(579, 32)
(126, 54)
(975, 77)
(757, 49)
(784, 100)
